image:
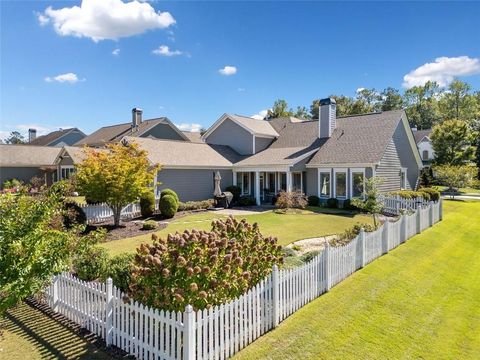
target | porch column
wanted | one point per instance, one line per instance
(234, 178)
(257, 187)
(289, 181)
(275, 174)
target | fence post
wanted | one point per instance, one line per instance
(419, 221)
(404, 230)
(385, 241)
(276, 296)
(109, 313)
(430, 213)
(361, 238)
(440, 209)
(55, 293)
(328, 272)
(397, 203)
(189, 352)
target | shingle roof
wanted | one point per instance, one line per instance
(276, 156)
(27, 155)
(77, 154)
(115, 133)
(359, 139)
(257, 127)
(49, 138)
(193, 136)
(172, 153)
(420, 134)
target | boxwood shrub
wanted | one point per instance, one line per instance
(147, 204)
(313, 200)
(332, 203)
(168, 206)
(169, 192)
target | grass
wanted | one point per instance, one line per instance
(461, 190)
(28, 333)
(420, 301)
(312, 222)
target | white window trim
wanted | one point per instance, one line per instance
(335, 171)
(404, 185)
(356, 170)
(329, 172)
(65, 167)
(241, 183)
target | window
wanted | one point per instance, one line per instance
(67, 171)
(325, 184)
(297, 181)
(358, 178)
(283, 181)
(341, 184)
(243, 182)
(403, 179)
(271, 182)
(425, 155)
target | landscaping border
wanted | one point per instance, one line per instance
(221, 331)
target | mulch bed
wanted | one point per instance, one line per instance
(133, 227)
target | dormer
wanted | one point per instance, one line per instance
(245, 135)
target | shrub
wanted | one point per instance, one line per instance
(246, 201)
(73, 215)
(348, 205)
(307, 257)
(195, 205)
(91, 264)
(168, 206)
(169, 192)
(353, 232)
(12, 183)
(202, 268)
(410, 194)
(288, 252)
(120, 270)
(332, 203)
(313, 200)
(291, 200)
(235, 190)
(147, 204)
(149, 225)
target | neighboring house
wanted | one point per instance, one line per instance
(160, 128)
(424, 144)
(193, 136)
(66, 160)
(23, 162)
(59, 138)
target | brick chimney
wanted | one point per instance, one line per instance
(136, 117)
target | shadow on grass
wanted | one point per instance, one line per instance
(50, 334)
(329, 211)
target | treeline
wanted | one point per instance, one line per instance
(425, 105)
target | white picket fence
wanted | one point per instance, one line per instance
(102, 212)
(221, 331)
(395, 204)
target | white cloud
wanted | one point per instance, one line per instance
(164, 50)
(443, 71)
(105, 19)
(241, 89)
(189, 127)
(261, 115)
(228, 70)
(116, 52)
(70, 78)
(360, 89)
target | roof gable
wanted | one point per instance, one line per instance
(47, 139)
(255, 127)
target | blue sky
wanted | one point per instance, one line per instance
(59, 67)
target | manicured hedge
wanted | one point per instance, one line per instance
(168, 205)
(147, 204)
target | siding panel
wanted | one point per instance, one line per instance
(233, 135)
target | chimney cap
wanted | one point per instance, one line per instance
(135, 109)
(327, 101)
(32, 130)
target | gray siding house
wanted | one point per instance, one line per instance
(23, 162)
(59, 138)
(160, 128)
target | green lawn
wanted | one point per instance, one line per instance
(288, 228)
(461, 190)
(420, 301)
(30, 334)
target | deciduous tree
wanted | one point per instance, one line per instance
(456, 177)
(452, 142)
(15, 138)
(116, 177)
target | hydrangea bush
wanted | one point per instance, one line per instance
(202, 268)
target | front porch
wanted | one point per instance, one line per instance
(263, 185)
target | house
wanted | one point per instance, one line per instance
(59, 138)
(66, 160)
(23, 162)
(159, 128)
(424, 144)
(329, 157)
